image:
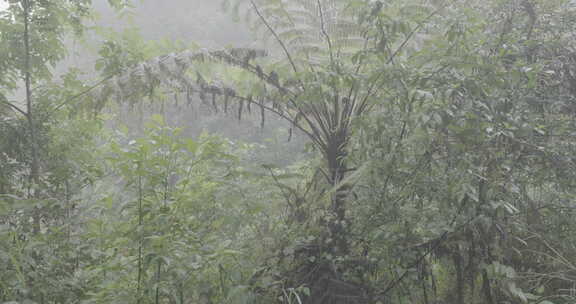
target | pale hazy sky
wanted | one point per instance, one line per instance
(3, 4)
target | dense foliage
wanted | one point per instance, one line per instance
(434, 160)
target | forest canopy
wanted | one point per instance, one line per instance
(349, 152)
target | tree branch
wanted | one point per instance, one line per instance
(402, 45)
(86, 91)
(11, 105)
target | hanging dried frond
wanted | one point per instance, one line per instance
(262, 116)
(240, 108)
(171, 71)
(249, 104)
(214, 106)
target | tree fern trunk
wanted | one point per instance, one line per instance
(336, 152)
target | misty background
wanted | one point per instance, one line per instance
(198, 23)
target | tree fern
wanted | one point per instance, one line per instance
(320, 77)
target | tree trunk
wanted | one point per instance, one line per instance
(34, 178)
(337, 170)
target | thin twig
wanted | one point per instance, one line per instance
(282, 188)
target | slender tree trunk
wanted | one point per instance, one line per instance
(34, 178)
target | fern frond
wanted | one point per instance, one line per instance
(305, 26)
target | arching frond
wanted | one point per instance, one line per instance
(319, 79)
(306, 27)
